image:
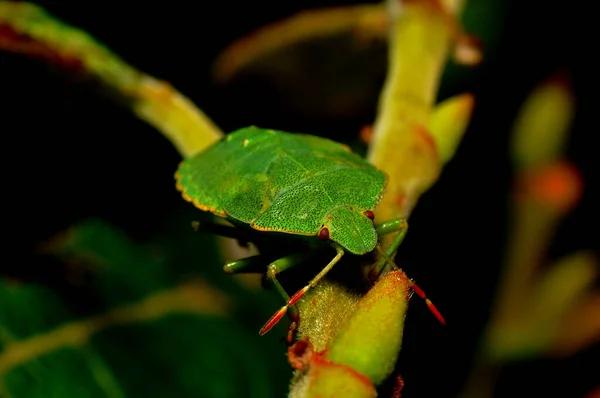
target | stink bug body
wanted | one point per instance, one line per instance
(290, 183)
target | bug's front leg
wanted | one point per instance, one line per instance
(256, 264)
(398, 225)
(243, 237)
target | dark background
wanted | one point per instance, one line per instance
(70, 154)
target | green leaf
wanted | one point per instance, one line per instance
(152, 335)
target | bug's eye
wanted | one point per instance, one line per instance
(324, 233)
(369, 214)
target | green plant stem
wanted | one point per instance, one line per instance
(420, 43)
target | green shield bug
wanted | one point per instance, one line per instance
(296, 184)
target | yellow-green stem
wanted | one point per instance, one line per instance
(420, 40)
(30, 30)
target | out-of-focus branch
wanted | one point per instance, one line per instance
(362, 19)
(539, 310)
(27, 29)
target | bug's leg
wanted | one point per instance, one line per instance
(252, 264)
(398, 225)
(275, 268)
(281, 265)
(401, 226)
(300, 293)
(257, 263)
(431, 306)
(223, 230)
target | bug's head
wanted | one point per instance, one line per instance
(351, 228)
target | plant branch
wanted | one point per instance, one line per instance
(27, 29)
(420, 43)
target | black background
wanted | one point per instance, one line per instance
(69, 154)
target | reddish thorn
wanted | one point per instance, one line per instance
(273, 321)
(369, 214)
(296, 297)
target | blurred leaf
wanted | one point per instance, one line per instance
(185, 356)
(123, 272)
(542, 197)
(448, 123)
(26, 310)
(63, 373)
(155, 338)
(542, 126)
(558, 289)
(535, 325)
(580, 326)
